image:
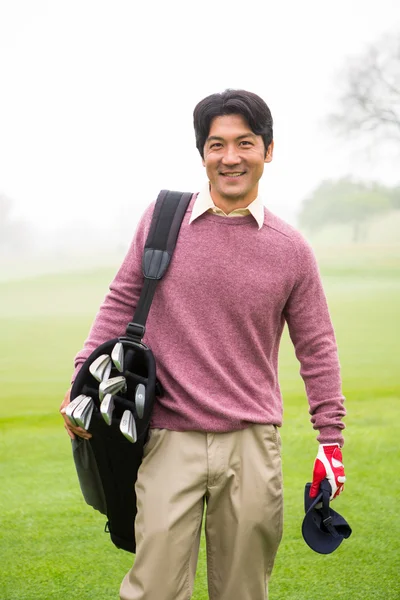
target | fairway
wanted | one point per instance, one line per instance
(52, 545)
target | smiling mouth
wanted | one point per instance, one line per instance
(233, 174)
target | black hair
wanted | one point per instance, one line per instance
(232, 102)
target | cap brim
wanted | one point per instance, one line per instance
(314, 536)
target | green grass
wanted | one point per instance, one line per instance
(52, 545)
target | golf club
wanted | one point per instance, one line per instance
(112, 386)
(83, 412)
(72, 406)
(128, 426)
(117, 356)
(140, 396)
(101, 367)
(107, 407)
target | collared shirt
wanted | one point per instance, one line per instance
(204, 203)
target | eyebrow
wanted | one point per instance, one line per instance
(213, 138)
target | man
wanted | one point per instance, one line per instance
(237, 275)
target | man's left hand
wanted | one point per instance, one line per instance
(329, 465)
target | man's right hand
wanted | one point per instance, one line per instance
(329, 465)
(72, 430)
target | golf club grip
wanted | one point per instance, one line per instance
(135, 378)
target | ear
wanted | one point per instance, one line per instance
(203, 162)
(269, 153)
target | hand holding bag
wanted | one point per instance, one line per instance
(107, 464)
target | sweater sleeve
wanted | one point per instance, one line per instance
(311, 331)
(119, 305)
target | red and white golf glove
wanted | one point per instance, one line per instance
(329, 465)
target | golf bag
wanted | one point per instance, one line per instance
(107, 464)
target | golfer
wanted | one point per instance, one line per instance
(238, 274)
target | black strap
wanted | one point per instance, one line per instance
(167, 218)
(325, 512)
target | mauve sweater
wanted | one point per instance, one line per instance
(216, 322)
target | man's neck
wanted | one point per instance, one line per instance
(230, 204)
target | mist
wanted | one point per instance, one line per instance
(96, 112)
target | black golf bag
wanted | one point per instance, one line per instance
(107, 464)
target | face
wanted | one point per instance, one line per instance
(234, 159)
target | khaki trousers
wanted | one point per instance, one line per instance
(238, 476)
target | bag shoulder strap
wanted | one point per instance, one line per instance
(167, 218)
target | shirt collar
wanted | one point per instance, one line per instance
(204, 202)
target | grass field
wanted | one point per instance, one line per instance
(52, 545)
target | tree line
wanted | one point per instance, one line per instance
(347, 201)
(368, 110)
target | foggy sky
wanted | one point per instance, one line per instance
(97, 97)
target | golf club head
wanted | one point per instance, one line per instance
(83, 412)
(128, 426)
(107, 407)
(112, 386)
(101, 367)
(117, 356)
(72, 406)
(140, 397)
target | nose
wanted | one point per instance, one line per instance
(231, 155)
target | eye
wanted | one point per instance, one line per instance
(216, 145)
(246, 143)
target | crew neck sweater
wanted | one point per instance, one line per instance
(216, 322)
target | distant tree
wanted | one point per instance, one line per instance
(394, 195)
(15, 234)
(344, 201)
(5, 209)
(370, 102)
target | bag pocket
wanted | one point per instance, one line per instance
(88, 474)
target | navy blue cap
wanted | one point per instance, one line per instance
(323, 529)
